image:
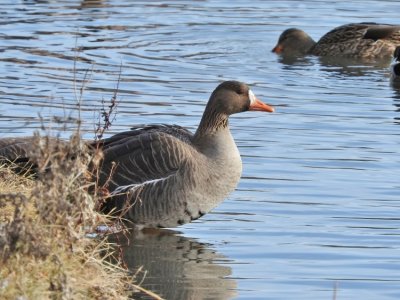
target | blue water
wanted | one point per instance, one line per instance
(316, 214)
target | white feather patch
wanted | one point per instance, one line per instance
(252, 97)
(132, 187)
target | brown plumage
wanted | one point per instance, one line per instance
(356, 40)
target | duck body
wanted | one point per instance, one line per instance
(355, 40)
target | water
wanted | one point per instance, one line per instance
(315, 215)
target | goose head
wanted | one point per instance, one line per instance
(229, 98)
(232, 97)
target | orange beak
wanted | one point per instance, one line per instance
(278, 49)
(258, 105)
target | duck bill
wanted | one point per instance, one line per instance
(278, 49)
(258, 105)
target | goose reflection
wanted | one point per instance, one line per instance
(176, 267)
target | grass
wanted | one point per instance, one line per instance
(9, 183)
(46, 252)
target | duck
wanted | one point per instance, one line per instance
(161, 175)
(395, 66)
(354, 40)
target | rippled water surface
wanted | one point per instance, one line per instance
(316, 214)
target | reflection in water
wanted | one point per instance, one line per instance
(396, 88)
(395, 84)
(351, 66)
(177, 267)
(293, 60)
(339, 65)
(395, 80)
(92, 3)
(84, 3)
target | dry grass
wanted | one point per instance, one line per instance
(9, 183)
(45, 249)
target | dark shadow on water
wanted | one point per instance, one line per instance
(93, 3)
(295, 61)
(395, 84)
(176, 267)
(352, 67)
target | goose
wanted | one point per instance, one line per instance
(395, 66)
(160, 175)
(165, 176)
(355, 40)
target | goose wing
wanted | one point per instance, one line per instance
(16, 149)
(17, 154)
(144, 154)
(122, 137)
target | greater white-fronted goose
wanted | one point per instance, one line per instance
(163, 175)
(356, 40)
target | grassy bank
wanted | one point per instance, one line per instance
(44, 225)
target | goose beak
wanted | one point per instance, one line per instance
(258, 105)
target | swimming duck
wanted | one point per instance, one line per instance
(356, 40)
